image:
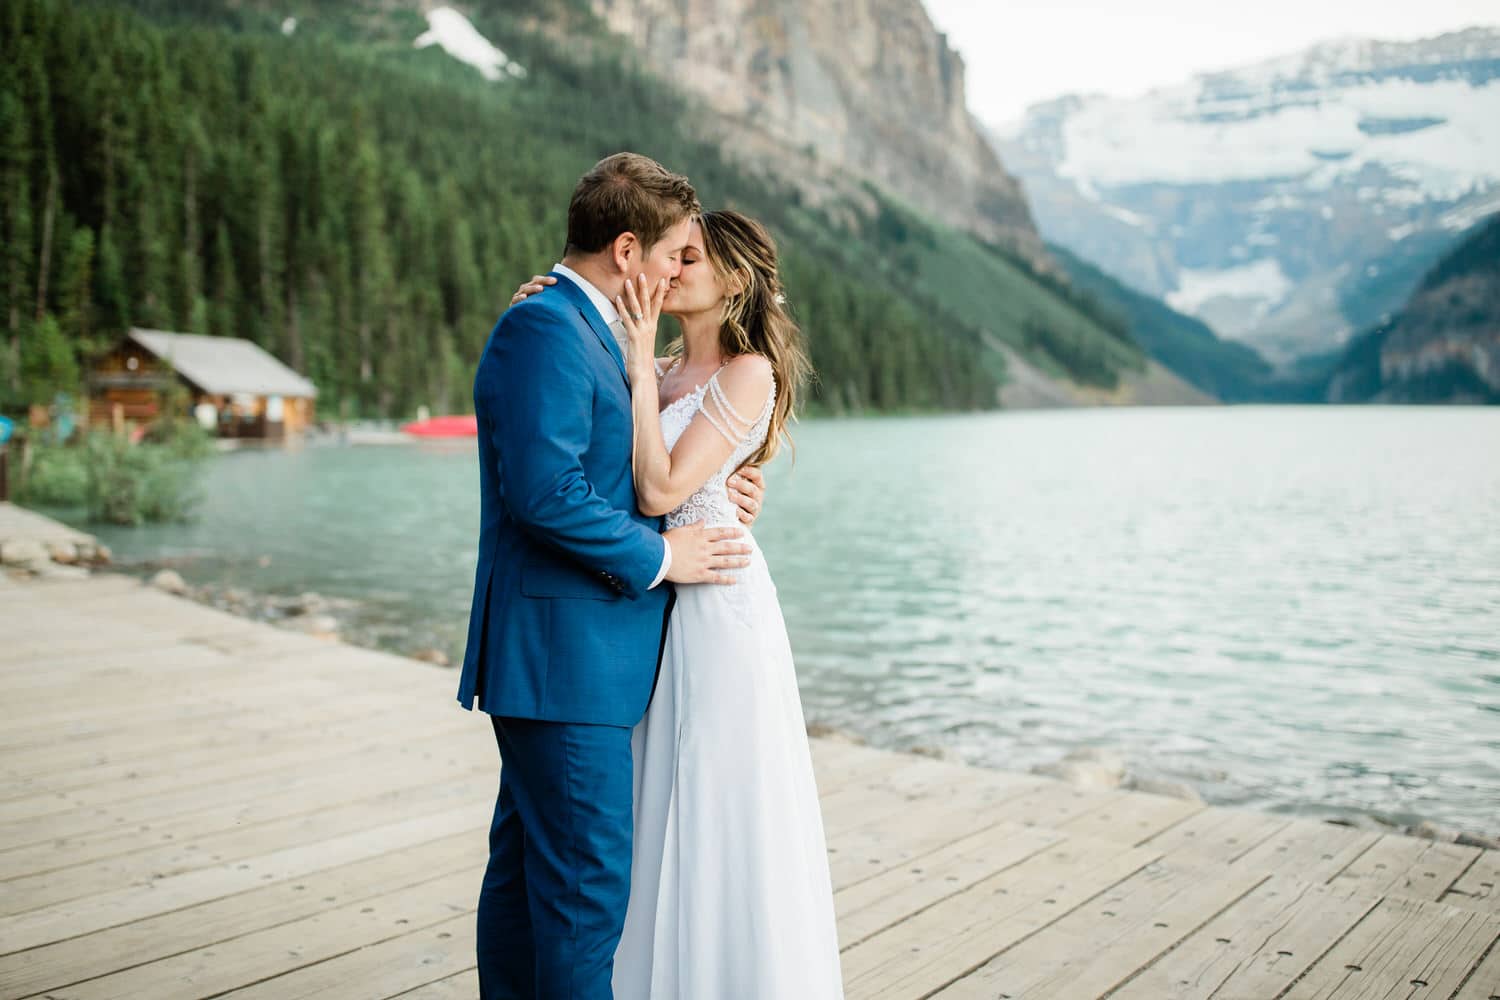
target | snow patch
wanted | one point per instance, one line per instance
(1261, 281)
(1188, 135)
(461, 40)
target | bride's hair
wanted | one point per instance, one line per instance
(756, 319)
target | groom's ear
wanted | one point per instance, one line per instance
(625, 251)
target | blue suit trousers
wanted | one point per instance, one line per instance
(552, 906)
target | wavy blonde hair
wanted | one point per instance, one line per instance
(756, 319)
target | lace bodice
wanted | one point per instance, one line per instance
(710, 503)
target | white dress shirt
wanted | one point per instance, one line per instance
(611, 317)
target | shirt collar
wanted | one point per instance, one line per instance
(607, 310)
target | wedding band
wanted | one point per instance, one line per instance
(637, 316)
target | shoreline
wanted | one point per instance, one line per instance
(34, 545)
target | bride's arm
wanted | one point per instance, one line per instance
(663, 479)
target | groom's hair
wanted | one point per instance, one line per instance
(627, 193)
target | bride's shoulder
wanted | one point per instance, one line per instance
(750, 371)
(743, 387)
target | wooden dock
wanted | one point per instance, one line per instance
(196, 805)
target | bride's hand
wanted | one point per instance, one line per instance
(639, 312)
(530, 288)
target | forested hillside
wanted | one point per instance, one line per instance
(1443, 346)
(363, 209)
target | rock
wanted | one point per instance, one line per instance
(307, 603)
(1087, 767)
(319, 625)
(63, 552)
(823, 731)
(170, 581)
(936, 753)
(1080, 774)
(103, 555)
(23, 552)
(1431, 831)
(1170, 789)
(1478, 840)
(835, 95)
(436, 656)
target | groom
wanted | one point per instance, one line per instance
(570, 596)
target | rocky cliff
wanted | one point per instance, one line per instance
(862, 90)
(1444, 346)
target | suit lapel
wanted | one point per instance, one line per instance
(586, 309)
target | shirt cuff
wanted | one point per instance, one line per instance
(666, 564)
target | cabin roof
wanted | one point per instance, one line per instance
(224, 365)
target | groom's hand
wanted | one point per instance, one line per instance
(700, 553)
(747, 491)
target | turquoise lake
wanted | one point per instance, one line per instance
(1292, 608)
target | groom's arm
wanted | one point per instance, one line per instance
(536, 385)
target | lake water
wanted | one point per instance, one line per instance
(1295, 608)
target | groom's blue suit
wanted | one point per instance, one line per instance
(564, 639)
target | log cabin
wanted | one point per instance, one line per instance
(235, 387)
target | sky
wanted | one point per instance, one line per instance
(1019, 52)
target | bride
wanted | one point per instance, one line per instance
(730, 895)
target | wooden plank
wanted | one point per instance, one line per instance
(1404, 948)
(96, 954)
(874, 904)
(1133, 818)
(72, 822)
(1095, 948)
(106, 783)
(1475, 888)
(460, 986)
(1484, 981)
(1256, 948)
(951, 938)
(377, 795)
(119, 906)
(278, 952)
(321, 785)
(1408, 866)
(1216, 836)
(245, 730)
(866, 852)
(397, 965)
(1309, 851)
(1055, 804)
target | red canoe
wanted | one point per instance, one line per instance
(443, 427)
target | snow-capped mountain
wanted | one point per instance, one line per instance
(1272, 200)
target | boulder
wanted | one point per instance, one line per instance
(1170, 789)
(1087, 767)
(23, 552)
(170, 581)
(63, 552)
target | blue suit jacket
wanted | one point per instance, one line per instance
(563, 626)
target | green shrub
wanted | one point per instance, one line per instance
(58, 477)
(119, 482)
(149, 481)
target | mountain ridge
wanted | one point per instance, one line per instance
(1263, 199)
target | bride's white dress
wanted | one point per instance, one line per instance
(730, 897)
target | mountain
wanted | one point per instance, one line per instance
(1444, 344)
(866, 90)
(358, 186)
(1287, 203)
(1224, 369)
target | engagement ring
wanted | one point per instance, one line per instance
(637, 316)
